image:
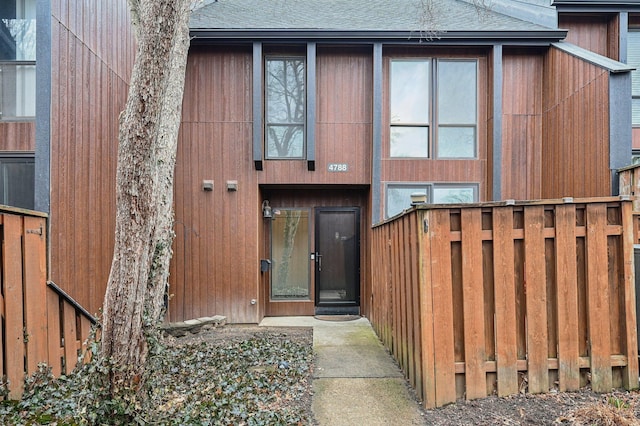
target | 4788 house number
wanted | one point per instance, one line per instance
(338, 167)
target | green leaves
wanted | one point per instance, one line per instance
(263, 379)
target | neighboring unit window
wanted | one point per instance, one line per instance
(453, 107)
(17, 181)
(17, 59)
(285, 108)
(399, 197)
(633, 58)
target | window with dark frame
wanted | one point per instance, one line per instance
(17, 59)
(398, 195)
(633, 59)
(17, 176)
(433, 108)
(285, 107)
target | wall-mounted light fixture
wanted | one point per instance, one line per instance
(266, 210)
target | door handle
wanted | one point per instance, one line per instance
(319, 261)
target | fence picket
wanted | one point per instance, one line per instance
(598, 298)
(473, 304)
(536, 300)
(567, 298)
(630, 372)
(505, 298)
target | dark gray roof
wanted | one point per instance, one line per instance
(355, 16)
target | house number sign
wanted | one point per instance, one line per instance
(338, 167)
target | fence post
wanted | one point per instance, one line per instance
(630, 372)
(35, 291)
(14, 314)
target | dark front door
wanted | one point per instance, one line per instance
(337, 259)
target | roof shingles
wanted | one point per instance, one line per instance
(353, 15)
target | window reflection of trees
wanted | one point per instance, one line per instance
(285, 107)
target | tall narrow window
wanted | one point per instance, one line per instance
(285, 108)
(633, 58)
(17, 59)
(410, 108)
(17, 181)
(457, 109)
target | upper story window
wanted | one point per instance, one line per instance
(17, 175)
(433, 108)
(633, 58)
(17, 59)
(285, 107)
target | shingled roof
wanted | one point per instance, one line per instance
(356, 16)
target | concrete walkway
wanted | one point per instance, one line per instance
(356, 382)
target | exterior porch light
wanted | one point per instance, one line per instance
(266, 210)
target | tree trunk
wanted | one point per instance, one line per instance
(144, 187)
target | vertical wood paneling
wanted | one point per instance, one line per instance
(17, 136)
(590, 32)
(522, 125)
(89, 88)
(576, 161)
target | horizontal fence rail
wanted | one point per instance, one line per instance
(503, 298)
(38, 323)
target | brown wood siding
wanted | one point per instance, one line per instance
(635, 132)
(431, 170)
(575, 150)
(598, 34)
(344, 90)
(17, 136)
(92, 55)
(215, 267)
(521, 125)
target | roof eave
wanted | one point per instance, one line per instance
(600, 6)
(537, 38)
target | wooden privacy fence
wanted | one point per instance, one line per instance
(502, 298)
(38, 321)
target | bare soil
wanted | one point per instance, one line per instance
(583, 407)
